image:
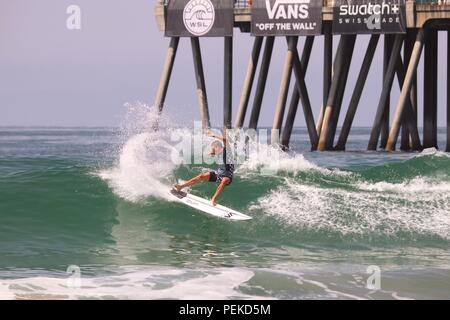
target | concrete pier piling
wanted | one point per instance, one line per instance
(261, 85)
(333, 106)
(327, 72)
(228, 82)
(447, 148)
(284, 87)
(404, 94)
(293, 106)
(385, 94)
(387, 49)
(248, 82)
(430, 89)
(200, 80)
(357, 92)
(166, 73)
(409, 119)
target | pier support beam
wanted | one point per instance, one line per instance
(430, 90)
(404, 94)
(293, 106)
(356, 96)
(409, 120)
(448, 92)
(334, 101)
(284, 88)
(262, 79)
(248, 82)
(304, 97)
(327, 72)
(387, 49)
(167, 72)
(385, 94)
(200, 79)
(228, 82)
(405, 143)
(406, 138)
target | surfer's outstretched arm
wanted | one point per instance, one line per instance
(225, 181)
(222, 138)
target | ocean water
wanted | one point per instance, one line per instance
(84, 215)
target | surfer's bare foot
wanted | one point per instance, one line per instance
(177, 187)
(213, 201)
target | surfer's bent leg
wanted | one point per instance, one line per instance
(224, 182)
(200, 178)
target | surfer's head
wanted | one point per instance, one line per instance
(216, 147)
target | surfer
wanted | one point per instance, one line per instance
(223, 175)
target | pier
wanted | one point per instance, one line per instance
(407, 31)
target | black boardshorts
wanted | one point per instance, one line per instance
(217, 176)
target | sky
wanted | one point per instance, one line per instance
(53, 76)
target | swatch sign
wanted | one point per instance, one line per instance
(373, 16)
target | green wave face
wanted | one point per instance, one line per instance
(95, 197)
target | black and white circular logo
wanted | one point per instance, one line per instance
(198, 16)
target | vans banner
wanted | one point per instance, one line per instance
(286, 17)
(369, 16)
(199, 18)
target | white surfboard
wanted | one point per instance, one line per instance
(206, 206)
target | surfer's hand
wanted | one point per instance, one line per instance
(214, 201)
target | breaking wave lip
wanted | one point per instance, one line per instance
(270, 160)
(433, 152)
(418, 184)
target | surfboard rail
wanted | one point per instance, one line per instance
(205, 206)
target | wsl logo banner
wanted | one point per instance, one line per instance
(286, 17)
(199, 18)
(369, 16)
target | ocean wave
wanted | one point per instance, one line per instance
(429, 163)
(415, 185)
(268, 160)
(134, 283)
(418, 207)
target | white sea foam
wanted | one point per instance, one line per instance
(141, 283)
(287, 281)
(418, 206)
(145, 160)
(415, 185)
(271, 160)
(433, 152)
